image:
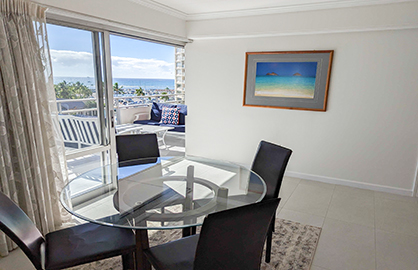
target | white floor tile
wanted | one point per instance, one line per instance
(395, 197)
(396, 216)
(288, 186)
(310, 199)
(344, 246)
(396, 251)
(352, 205)
(300, 217)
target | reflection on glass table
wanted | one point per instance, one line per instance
(160, 193)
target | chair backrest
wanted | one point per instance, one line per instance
(234, 238)
(270, 163)
(136, 146)
(17, 225)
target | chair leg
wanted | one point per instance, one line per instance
(268, 244)
(128, 261)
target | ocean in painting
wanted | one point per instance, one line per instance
(288, 87)
(285, 79)
(127, 83)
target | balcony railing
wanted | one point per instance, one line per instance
(65, 106)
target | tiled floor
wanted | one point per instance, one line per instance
(361, 229)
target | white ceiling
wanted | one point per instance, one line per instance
(210, 6)
(210, 9)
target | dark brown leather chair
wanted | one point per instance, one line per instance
(230, 239)
(132, 147)
(135, 149)
(270, 163)
(68, 247)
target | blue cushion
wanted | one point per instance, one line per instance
(177, 128)
(155, 112)
(147, 122)
(170, 116)
(157, 108)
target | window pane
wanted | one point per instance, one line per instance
(143, 72)
(75, 86)
(81, 99)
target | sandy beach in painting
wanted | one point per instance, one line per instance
(286, 87)
(286, 93)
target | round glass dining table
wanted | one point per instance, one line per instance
(160, 193)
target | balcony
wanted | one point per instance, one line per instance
(80, 126)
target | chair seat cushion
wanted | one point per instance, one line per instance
(86, 243)
(177, 128)
(176, 255)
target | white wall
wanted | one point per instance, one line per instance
(123, 11)
(368, 137)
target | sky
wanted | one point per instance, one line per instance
(306, 69)
(72, 55)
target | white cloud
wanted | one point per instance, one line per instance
(125, 67)
(80, 64)
(72, 64)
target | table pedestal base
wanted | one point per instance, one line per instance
(189, 231)
(141, 262)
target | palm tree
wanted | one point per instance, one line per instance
(165, 97)
(139, 92)
(117, 89)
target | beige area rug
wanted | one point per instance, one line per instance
(294, 246)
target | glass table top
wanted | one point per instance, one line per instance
(160, 193)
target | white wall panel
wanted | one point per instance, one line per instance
(368, 137)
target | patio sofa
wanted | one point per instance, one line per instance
(155, 116)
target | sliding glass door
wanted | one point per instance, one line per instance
(98, 74)
(85, 103)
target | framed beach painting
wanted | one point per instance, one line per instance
(289, 80)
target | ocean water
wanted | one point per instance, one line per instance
(291, 86)
(146, 84)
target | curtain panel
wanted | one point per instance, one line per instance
(32, 160)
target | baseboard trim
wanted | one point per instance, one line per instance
(343, 182)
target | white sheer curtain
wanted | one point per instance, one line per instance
(32, 161)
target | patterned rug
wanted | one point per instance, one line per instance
(294, 246)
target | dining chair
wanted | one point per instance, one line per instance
(132, 147)
(229, 239)
(68, 247)
(270, 163)
(135, 149)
